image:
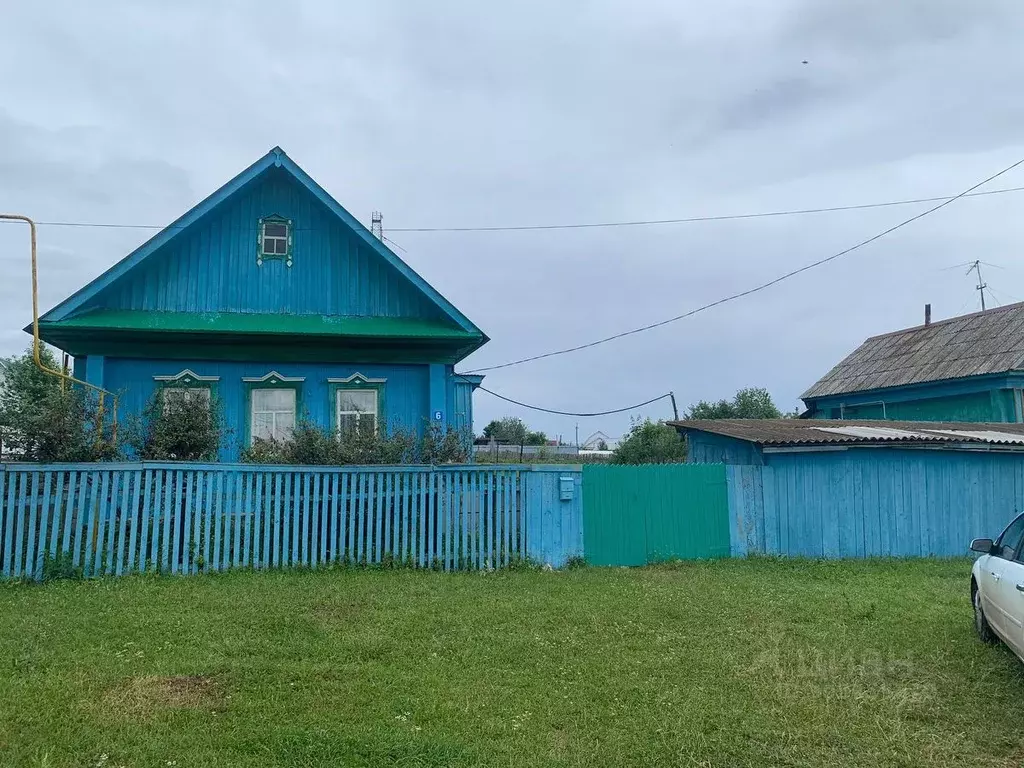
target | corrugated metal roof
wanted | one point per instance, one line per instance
(782, 432)
(970, 345)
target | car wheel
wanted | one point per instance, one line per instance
(981, 625)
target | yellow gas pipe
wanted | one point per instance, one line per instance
(63, 375)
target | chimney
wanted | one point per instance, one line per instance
(927, 314)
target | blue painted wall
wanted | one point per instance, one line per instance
(406, 392)
(211, 266)
(705, 448)
(876, 502)
(994, 398)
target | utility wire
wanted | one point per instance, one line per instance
(761, 287)
(570, 413)
(585, 225)
(690, 219)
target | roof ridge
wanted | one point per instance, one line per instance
(993, 311)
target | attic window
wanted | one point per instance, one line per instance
(275, 240)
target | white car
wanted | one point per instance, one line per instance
(997, 587)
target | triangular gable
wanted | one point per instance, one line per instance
(275, 158)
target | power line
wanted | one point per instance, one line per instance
(570, 413)
(691, 219)
(755, 289)
(584, 225)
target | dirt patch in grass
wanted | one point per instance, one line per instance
(143, 696)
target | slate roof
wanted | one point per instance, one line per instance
(969, 345)
(810, 432)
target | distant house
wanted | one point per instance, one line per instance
(596, 441)
(968, 368)
(272, 296)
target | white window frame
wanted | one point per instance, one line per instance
(263, 239)
(274, 413)
(338, 413)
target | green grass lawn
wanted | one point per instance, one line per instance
(707, 664)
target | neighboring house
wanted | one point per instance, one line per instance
(597, 440)
(277, 300)
(824, 488)
(968, 368)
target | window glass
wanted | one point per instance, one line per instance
(1010, 539)
(274, 238)
(273, 413)
(357, 408)
(174, 396)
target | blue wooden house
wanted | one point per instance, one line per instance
(274, 297)
(967, 368)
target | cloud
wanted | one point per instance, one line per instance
(457, 113)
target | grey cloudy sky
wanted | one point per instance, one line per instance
(461, 114)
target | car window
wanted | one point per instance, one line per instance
(1007, 543)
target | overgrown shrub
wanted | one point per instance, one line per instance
(176, 429)
(46, 420)
(650, 442)
(445, 446)
(314, 446)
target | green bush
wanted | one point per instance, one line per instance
(650, 442)
(175, 429)
(46, 420)
(314, 446)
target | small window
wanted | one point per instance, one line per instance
(273, 414)
(356, 408)
(1010, 539)
(275, 240)
(177, 397)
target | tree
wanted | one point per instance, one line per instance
(650, 442)
(749, 403)
(602, 445)
(513, 431)
(45, 420)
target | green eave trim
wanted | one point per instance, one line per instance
(231, 323)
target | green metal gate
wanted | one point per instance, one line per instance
(634, 515)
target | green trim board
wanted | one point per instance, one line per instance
(242, 336)
(264, 324)
(310, 349)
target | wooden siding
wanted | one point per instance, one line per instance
(873, 503)
(406, 390)
(211, 266)
(186, 519)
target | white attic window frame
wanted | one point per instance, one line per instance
(275, 243)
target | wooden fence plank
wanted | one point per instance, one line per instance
(238, 513)
(188, 513)
(69, 505)
(133, 539)
(248, 480)
(148, 490)
(275, 527)
(209, 499)
(122, 528)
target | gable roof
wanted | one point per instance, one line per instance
(969, 345)
(275, 158)
(811, 432)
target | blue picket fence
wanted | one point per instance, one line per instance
(189, 518)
